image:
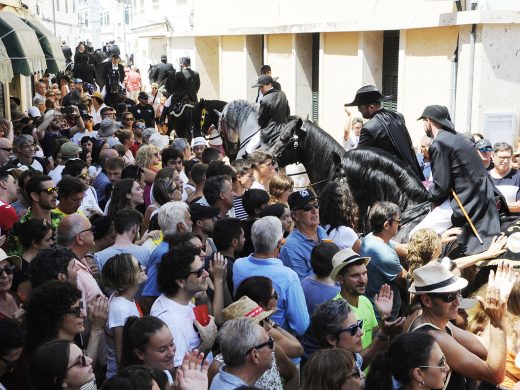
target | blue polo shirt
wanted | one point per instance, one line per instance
(150, 287)
(296, 253)
(291, 313)
(226, 381)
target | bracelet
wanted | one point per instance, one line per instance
(382, 337)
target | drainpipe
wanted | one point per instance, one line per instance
(471, 70)
(453, 83)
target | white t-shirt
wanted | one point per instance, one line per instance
(89, 204)
(119, 310)
(78, 136)
(343, 236)
(258, 186)
(179, 319)
(55, 174)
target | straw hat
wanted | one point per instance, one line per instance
(435, 278)
(245, 307)
(13, 260)
(343, 258)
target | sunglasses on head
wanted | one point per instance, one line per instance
(269, 343)
(352, 329)
(448, 297)
(309, 207)
(8, 269)
(49, 190)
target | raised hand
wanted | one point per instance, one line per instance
(218, 267)
(98, 312)
(450, 235)
(497, 246)
(389, 328)
(383, 302)
(193, 373)
(504, 279)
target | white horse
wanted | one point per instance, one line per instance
(239, 125)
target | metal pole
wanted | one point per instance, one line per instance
(54, 15)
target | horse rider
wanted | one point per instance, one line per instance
(456, 168)
(113, 77)
(385, 129)
(161, 71)
(274, 109)
(266, 69)
(183, 91)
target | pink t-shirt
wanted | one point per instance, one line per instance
(133, 81)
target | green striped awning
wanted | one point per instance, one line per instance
(6, 70)
(22, 45)
(50, 46)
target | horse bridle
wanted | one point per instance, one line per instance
(222, 127)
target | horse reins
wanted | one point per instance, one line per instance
(182, 110)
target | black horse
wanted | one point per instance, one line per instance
(372, 175)
(204, 115)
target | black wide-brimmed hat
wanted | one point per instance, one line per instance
(439, 114)
(367, 95)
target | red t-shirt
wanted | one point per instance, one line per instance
(8, 217)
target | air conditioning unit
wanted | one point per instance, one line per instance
(501, 127)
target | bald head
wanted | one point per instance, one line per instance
(69, 227)
(5, 153)
(107, 154)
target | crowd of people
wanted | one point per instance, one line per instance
(135, 260)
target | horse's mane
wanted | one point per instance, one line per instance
(236, 112)
(318, 139)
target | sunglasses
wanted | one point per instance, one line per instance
(82, 361)
(49, 190)
(85, 175)
(310, 207)
(76, 311)
(8, 269)
(199, 272)
(140, 126)
(9, 364)
(449, 297)
(7, 149)
(352, 329)
(484, 150)
(269, 343)
(90, 229)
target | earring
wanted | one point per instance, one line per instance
(421, 383)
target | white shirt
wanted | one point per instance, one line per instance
(78, 136)
(179, 319)
(258, 186)
(90, 204)
(119, 310)
(342, 236)
(55, 174)
(96, 115)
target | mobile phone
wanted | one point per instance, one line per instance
(67, 110)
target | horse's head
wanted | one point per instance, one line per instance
(229, 135)
(285, 148)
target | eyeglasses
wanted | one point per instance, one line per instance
(449, 297)
(82, 361)
(8, 269)
(199, 272)
(398, 220)
(485, 150)
(7, 149)
(504, 158)
(76, 311)
(443, 366)
(309, 207)
(9, 364)
(269, 343)
(91, 229)
(49, 190)
(352, 329)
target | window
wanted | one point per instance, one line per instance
(390, 67)
(315, 75)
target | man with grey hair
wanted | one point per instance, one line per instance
(174, 217)
(267, 237)
(23, 147)
(6, 151)
(183, 145)
(247, 350)
(77, 233)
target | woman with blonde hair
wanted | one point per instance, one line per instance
(148, 157)
(280, 187)
(426, 245)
